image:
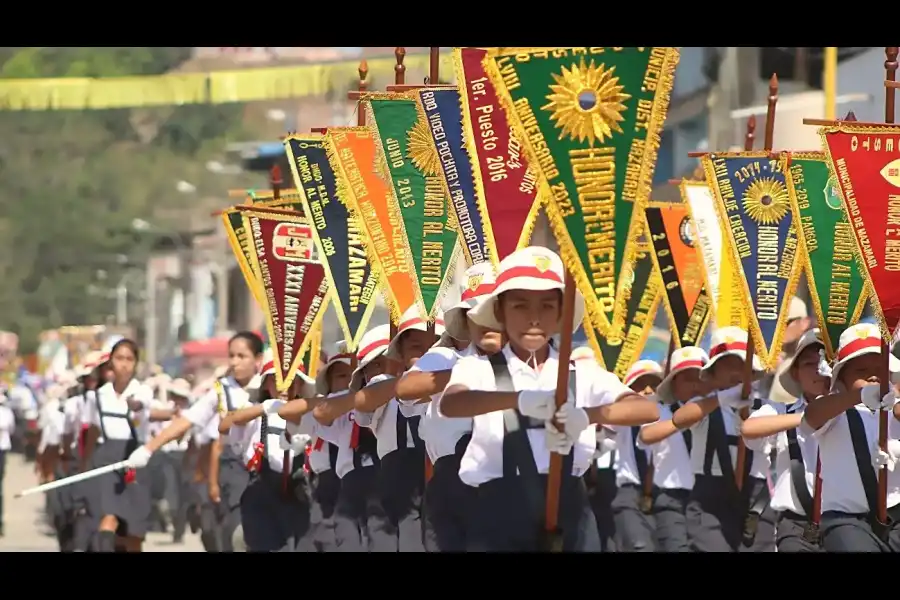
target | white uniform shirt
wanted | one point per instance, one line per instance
(483, 460)
(205, 412)
(274, 444)
(784, 496)
(51, 424)
(383, 421)
(606, 450)
(157, 427)
(759, 467)
(626, 463)
(340, 433)
(842, 488)
(671, 459)
(114, 404)
(7, 426)
(440, 433)
(320, 453)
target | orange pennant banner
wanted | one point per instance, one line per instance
(352, 154)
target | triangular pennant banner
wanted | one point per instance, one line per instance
(836, 283)
(353, 154)
(617, 354)
(239, 240)
(673, 249)
(590, 120)
(505, 185)
(441, 107)
(758, 227)
(335, 230)
(410, 163)
(294, 287)
(866, 161)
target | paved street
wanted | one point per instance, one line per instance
(26, 530)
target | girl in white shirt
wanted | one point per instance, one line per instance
(275, 507)
(511, 398)
(120, 499)
(797, 462)
(447, 498)
(7, 427)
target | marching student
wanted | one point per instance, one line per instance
(673, 475)
(600, 478)
(121, 499)
(50, 424)
(631, 508)
(359, 511)
(7, 427)
(511, 398)
(401, 477)
(175, 477)
(202, 512)
(447, 498)
(275, 506)
(227, 476)
(717, 510)
(322, 456)
(846, 426)
(797, 458)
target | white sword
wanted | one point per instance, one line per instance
(122, 464)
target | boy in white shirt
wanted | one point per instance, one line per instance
(511, 398)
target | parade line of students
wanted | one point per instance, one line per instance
(439, 440)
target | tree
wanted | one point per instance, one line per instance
(71, 183)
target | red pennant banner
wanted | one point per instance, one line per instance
(505, 186)
(293, 287)
(866, 161)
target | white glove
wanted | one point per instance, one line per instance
(537, 404)
(880, 459)
(893, 448)
(297, 443)
(824, 368)
(732, 398)
(573, 419)
(781, 443)
(557, 441)
(606, 445)
(270, 407)
(890, 399)
(139, 458)
(870, 395)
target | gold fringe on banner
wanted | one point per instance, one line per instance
(218, 87)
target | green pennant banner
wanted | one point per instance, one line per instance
(836, 284)
(409, 162)
(618, 353)
(590, 120)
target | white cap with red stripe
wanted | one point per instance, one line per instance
(413, 321)
(729, 341)
(643, 368)
(268, 368)
(372, 345)
(857, 341)
(689, 357)
(533, 269)
(338, 355)
(477, 284)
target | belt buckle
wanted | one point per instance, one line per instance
(751, 524)
(811, 532)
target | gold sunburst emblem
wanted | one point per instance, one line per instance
(475, 281)
(587, 102)
(542, 263)
(863, 333)
(766, 201)
(420, 148)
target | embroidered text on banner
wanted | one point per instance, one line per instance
(673, 249)
(454, 170)
(866, 162)
(352, 153)
(836, 284)
(590, 120)
(617, 354)
(754, 209)
(403, 141)
(506, 186)
(294, 287)
(337, 236)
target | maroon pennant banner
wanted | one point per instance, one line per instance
(292, 287)
(866, 161)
